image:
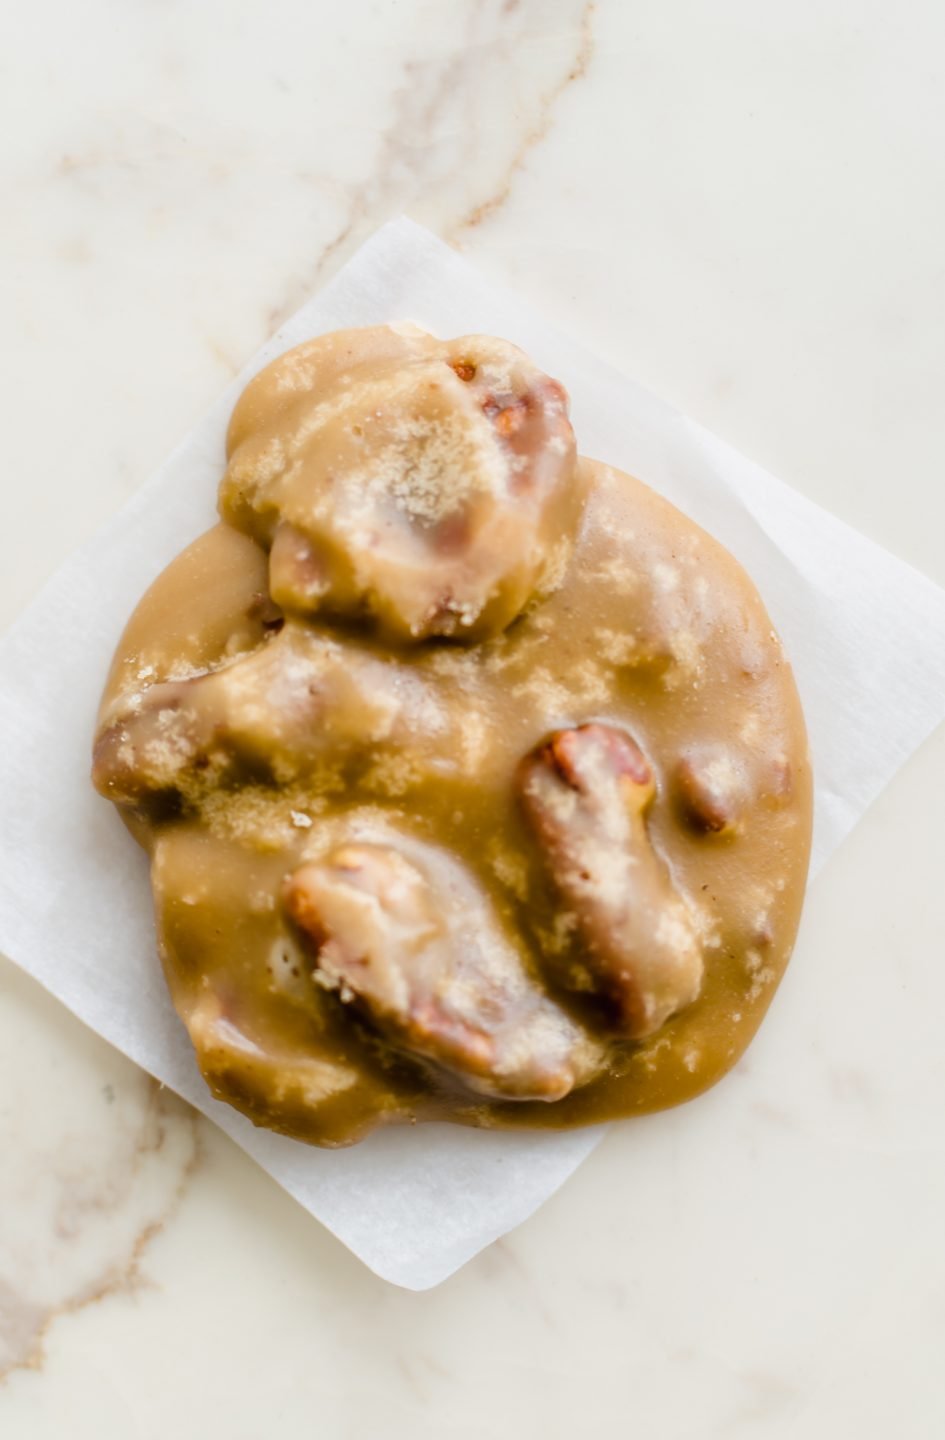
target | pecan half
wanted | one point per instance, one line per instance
(586, 792)
(438, 980)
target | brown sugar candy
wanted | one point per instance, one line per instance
(472, 773)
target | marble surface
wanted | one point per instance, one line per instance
(740, 205)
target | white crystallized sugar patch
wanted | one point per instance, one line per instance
(427, 465)
(509, 867)
(431, 467)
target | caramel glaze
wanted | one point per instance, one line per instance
(650, 631)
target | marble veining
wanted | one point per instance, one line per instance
(449, 143)
(538, 130)
(742, 206)
(86, 1189)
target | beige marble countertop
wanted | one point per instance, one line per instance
(743, 207)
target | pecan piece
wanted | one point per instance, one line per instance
(711, 789)
(419, 487)
(433, 975)
(273, 712)
(586, 792)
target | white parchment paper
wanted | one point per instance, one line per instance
(866, 635)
